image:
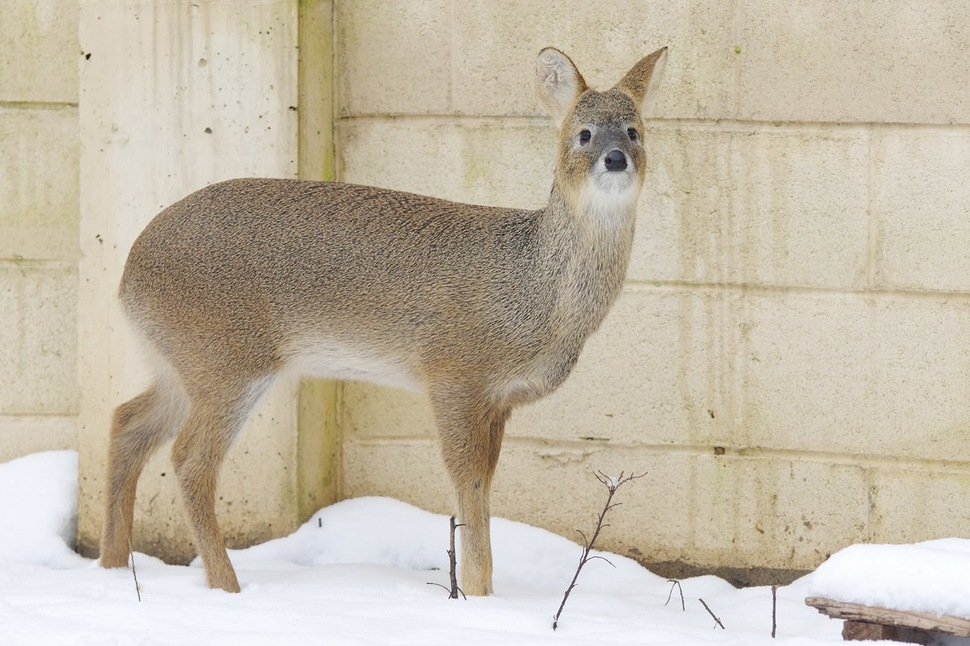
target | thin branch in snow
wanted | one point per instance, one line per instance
(134, 573)
(611, 484)
(774, 610)
(675, 582)
(717, 622)
(453, 561)
(454, 591)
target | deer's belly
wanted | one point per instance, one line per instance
(331, 360)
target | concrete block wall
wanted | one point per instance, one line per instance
(790, 360)
(38, 226)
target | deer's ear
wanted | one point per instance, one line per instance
(558, 83)
(642, 80)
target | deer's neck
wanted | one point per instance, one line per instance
(594, 242)
(601, 230)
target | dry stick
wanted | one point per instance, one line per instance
(716, 620)
(612, 484)
(134, 573)
(454, 591)
(774, 610)
(453, 562)
(675, 582)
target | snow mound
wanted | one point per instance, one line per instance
(363, 530)
(38, 500)
(932, 577)
(384, 531)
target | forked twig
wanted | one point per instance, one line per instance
(611, 484)
(675, 582)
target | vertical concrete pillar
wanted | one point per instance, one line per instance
(319, 438)
(174, 96)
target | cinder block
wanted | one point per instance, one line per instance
(39, 41)
(844, 61)
(554, 486)
(755, 206)
(39, 184)
(496, 44)
(860, 375)
(787, 513)
(797, 372)
(24, 434)
(38, 339)
(411, 470)
(369, 411)
(920, 203)
(393, 57)
(919, 502)
(483, 161)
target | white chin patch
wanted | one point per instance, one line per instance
(611, 192)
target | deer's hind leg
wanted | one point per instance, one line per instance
(138, 428)
(471, 435)
(214, 419)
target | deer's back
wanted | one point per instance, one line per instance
(267, 269)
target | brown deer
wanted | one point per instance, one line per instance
(484, 309)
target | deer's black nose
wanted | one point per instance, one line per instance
(615, 160)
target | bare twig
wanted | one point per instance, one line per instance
(452, 560)
(454, 591)
(774, 610)
(611, 484)
(134, 573)
(675, 582)
(717, 622)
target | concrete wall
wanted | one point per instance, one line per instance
(788, 362)
(38, 226)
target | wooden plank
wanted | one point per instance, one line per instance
(948, 624)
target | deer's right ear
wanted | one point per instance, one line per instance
(558, 82)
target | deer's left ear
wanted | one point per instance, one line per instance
(642, 80)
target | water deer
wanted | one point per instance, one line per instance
(482, 308)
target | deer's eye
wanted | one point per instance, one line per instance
(585, 136)
(632, 134)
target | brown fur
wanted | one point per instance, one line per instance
(483, 308)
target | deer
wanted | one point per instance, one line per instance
(484, 309)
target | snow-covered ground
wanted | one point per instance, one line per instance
(358, 573)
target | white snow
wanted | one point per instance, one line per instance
(358, 573)
(929, 577)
